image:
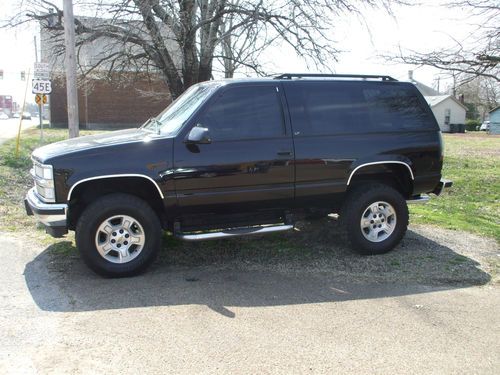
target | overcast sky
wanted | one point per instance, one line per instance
(423, 27)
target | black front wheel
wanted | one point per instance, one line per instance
(375, 217)
(118, 235)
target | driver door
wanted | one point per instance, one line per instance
(248, 163)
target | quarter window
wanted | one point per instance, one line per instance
(326, 108)
(245, 113)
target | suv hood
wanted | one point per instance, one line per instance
(70, 146)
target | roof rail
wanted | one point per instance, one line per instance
(318, 75)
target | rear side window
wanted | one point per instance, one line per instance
(324, 108)
(245, 113)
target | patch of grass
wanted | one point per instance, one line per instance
(15, 179)
(473, 203)
(64, 248)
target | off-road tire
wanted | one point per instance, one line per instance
(108, 206)
(355, 205)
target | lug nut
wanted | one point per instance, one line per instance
(113, 241)
(125, 243)
(118, 245)
(127, 235)
(121, 230)
(114, 233)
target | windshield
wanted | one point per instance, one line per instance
(171, 119)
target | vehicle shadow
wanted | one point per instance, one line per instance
(293, 268)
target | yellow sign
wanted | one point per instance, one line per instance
(40, 99)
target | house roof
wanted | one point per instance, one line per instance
(424, 89)
(436, 99)
(495, 109)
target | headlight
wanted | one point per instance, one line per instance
(44, 171)
(43, 175)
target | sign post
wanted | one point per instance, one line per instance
(41, 86)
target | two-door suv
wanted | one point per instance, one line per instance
(239, 157)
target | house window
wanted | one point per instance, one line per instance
(23, 75)
(447, 114)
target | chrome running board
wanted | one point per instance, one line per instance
(419, 200)
(245, 231)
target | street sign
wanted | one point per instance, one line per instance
(41, 86)
(40, 99)
(41, 71)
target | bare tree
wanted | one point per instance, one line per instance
(482, 93)
(242, 48)
(479, 56)
(181, 39)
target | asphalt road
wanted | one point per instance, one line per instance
(9, 127)
(58, 317)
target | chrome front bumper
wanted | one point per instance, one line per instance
(51, 215)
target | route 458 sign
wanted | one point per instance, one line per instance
(41, 86)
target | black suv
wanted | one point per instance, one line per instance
(240, 157)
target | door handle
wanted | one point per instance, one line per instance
(285, 153)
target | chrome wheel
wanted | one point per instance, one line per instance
(120, 239)
(378, 221)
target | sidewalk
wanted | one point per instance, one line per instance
(9, 128)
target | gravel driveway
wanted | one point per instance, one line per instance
(293, 303)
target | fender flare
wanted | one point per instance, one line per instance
(115, 176)
(380, 162)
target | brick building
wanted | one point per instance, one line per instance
(102, 104)
(122, 99)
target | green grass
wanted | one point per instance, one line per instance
(472, 204)
(15, 179)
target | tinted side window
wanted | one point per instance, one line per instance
(323, 108)
(394, 108)
(245, 113)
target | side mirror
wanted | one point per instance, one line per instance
(199, 135)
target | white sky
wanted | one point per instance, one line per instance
(422, 27)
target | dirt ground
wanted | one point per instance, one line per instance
(292, 303)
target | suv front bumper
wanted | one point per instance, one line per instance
(51, 215)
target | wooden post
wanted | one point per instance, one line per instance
(70, 62)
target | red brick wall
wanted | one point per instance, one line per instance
(118, 103)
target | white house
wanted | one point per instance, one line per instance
(447, 110)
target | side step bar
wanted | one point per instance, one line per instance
(420, 199)
(233, 232)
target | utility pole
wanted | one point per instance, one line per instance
(71, 87)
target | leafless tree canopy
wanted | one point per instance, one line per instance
(182, 39)
(483, 93)
(479, 56)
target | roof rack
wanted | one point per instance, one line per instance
(318, 75)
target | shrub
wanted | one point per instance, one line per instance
(472, 125)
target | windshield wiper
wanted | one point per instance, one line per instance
(157, 124)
